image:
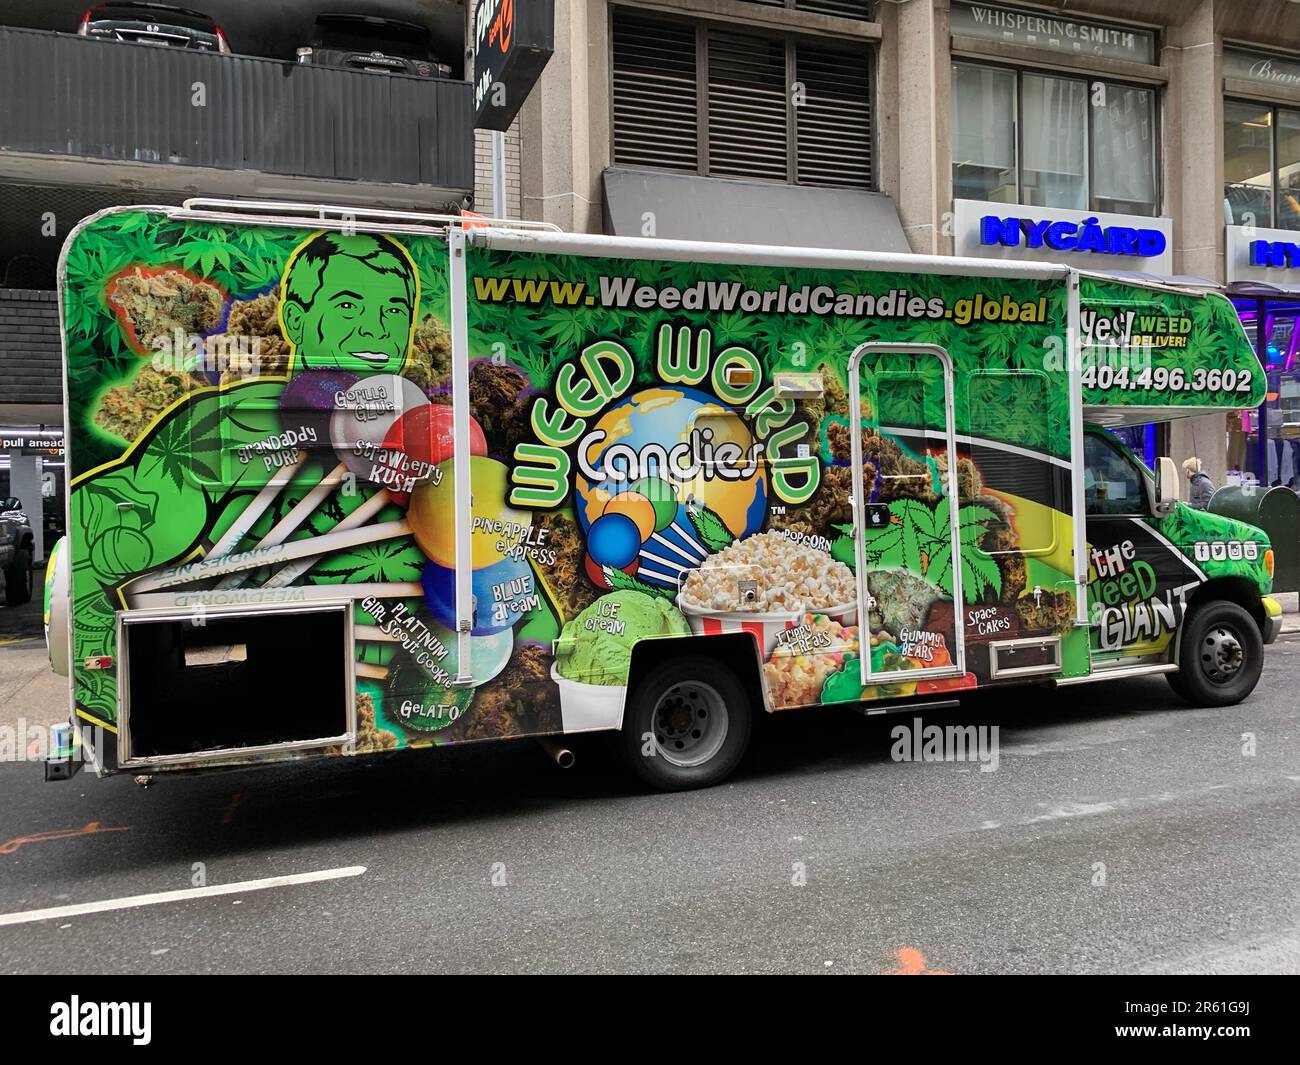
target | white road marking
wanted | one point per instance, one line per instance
(1076, 809)
(1274, 952)
(180, 895)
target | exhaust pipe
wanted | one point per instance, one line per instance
(561, 754)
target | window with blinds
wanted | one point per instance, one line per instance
(854, 9)
(749, 133)
(656, 120)
(834, 121)
(730, 102)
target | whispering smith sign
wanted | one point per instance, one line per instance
(513, 39)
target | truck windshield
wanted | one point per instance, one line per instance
(391, 38)
(1112, 481)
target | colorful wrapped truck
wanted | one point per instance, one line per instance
(343, 482)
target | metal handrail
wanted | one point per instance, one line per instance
(204, 206)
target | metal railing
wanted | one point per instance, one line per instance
(66, 95)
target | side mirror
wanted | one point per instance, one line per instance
(1166, 485)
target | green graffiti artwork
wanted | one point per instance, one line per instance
(826, 463)
(188, 484)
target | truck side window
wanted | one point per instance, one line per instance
(1111, 482)
(1012, 405)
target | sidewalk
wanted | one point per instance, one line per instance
(1290, 612)
(28, 687)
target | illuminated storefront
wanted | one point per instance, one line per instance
(1265, 444)
(1261, 197)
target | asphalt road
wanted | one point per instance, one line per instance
(491, 859)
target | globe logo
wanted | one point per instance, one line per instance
(646, 460)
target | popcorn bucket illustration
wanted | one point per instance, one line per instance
(844, 614)
(764, 627)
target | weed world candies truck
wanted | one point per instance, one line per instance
(344, 483)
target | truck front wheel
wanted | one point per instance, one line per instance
(687, 724)
(1221, 656)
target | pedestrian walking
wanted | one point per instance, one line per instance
(1200, 487)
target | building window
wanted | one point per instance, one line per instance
(726, 101)
(859, 10)
(1050, 141)
(1261, 165)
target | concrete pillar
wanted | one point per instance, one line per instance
(1193, 143)
(564, 125)
(25, 483)
(1193, 154)
(923, 119)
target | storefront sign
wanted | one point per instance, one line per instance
(1274, 253)
(1035, 29)
(1262, 67)
(1269, 256)
(31, 443)
(512, 42)
(1012, 231)
(1088, 240)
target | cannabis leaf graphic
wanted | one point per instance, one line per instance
(918, 539)
(171, 451)
(388, 560)
(711, 528)
(884, 546)
(842, 547)
(620, 581)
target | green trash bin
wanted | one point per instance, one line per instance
(1277, 512)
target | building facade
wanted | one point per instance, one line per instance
(89, 124)
(1159, 137)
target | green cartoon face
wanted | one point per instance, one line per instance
(349, 303)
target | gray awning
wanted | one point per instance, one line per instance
(1267, 289)
(684, 207)
(1140, 277)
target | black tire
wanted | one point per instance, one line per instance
(18, 579)
(662, 710)
(1221, 656)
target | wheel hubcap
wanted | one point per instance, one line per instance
(690, 724)
(1222, 654)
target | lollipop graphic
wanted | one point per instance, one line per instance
(501, 581)
(308, 399)
(422, 438)
(365, 415)
(638, 514)
(440, 703)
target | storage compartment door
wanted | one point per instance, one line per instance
(904, 488)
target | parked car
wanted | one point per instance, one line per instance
(374, 45)
(156, 24)
(16, 546)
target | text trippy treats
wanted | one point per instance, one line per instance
(604, 372)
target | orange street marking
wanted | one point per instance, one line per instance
(91, 829)
(911, 962)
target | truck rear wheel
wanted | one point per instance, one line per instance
(687, 724)
(1221, 657)
(18, 578)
